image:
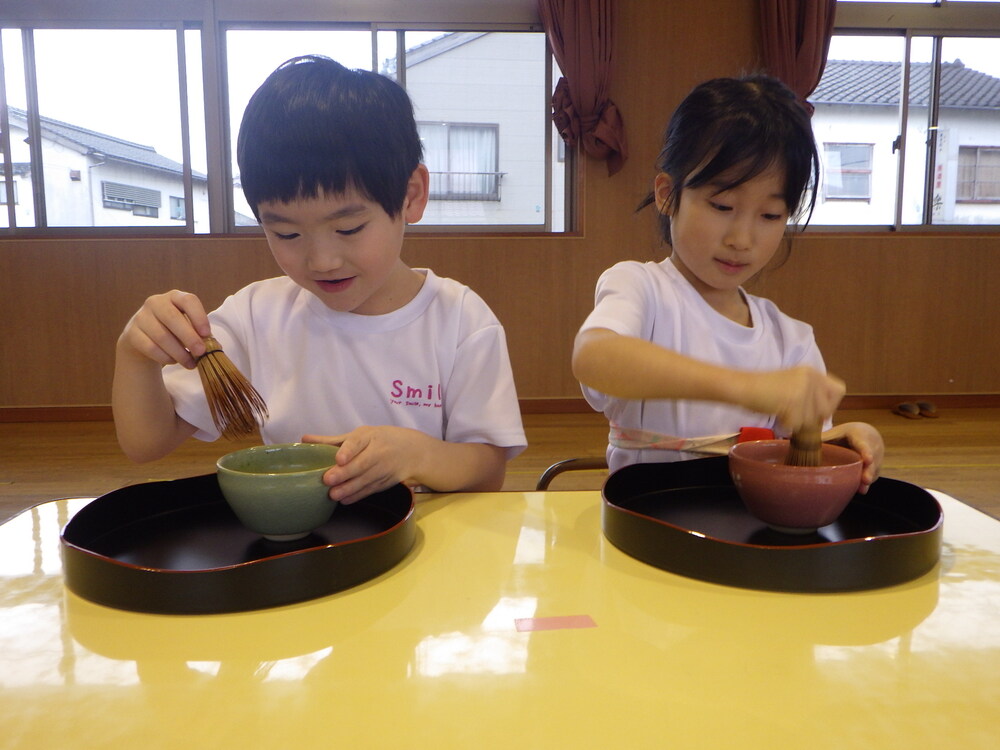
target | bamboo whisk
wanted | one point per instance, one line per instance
(236, 406)
(805, 447)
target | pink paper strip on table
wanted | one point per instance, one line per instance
(564, 622)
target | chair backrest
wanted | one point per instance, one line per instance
(569, 464)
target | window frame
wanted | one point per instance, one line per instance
(213, 18)
(938, 20)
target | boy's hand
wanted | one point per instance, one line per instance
(371, 459)
(798, 397)
(167, 329)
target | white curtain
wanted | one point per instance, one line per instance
(473, 149)
(462, 159)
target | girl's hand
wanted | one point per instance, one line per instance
(867, 441)
(167, 329)
(798, 397)
(371, 459)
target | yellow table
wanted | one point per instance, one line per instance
(512, 623)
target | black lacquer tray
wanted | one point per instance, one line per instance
(176, 547)
(686, 517)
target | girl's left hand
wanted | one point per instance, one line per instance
(370, 459)
(867, 441)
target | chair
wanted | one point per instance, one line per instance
(569, 464)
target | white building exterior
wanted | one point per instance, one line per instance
(94, 179)
(857, 105)
(484, 94)
(481, 105)
(480, 82)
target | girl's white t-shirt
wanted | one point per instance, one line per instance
(439, 365)
(653, 301)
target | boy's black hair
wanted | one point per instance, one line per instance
(314, 125)
(738, 128)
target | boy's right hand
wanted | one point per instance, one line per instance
(798, 397)
(167, 329)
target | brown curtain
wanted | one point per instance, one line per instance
(581, 34)
(796, 39)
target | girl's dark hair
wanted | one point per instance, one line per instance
(739, 128)
(315, 125)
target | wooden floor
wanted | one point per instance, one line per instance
(958, 453)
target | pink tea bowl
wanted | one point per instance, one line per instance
(794, 499)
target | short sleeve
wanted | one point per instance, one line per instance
(622, 301)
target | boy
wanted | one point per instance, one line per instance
(406, 371)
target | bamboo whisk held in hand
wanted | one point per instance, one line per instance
(805, 447)
(236, 406)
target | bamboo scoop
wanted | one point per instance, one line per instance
(805, 447)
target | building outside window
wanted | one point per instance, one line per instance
(482, 89)
(88, 128)
(857, 119)
(170, 135)
(917, 85)
(481, 106)
(91, 179)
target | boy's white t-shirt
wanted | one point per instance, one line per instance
(653, 301)
(439, 365)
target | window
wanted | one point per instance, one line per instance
(88, 127)
(848, 171)
(140, 201)
(979, 173)
(908, 112)
(177, 212)
(462, 161)
(486, 93)
(172, 128)
(151, 211)
(481, 106)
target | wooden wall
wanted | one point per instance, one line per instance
(899, 313)
(894, 313)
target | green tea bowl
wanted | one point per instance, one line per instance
(277, 490)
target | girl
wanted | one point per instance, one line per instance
(676, 354)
